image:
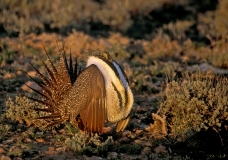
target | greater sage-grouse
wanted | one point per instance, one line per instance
(98, 94)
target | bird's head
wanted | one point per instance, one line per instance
(103, 55)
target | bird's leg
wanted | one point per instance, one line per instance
(76, 121)
(80, 124)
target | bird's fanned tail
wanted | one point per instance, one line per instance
(57, 84)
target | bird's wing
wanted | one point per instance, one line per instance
(94, 114)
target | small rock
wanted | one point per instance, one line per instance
(8, 141)
(40, 133)
(142, 109)
(161, 149)
(9, 75)
(146, 151)
(140, 142)
(185, 58)
(5, 158)
(148, 144)
(132, 136)
(19, 72)
(131, 157)
(51, 151)
(32, 73)
(2, 150)
(106, 129)
(28, 140)
(60, 149)
(126, 133)
(51, 148)
(40, 140)
(91, 158)
(17, 158)
(30, 84)
(124, 140)
(138, 131)
(112, 155)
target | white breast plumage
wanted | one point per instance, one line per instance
(119, 98)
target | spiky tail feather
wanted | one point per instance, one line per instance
(59, 81)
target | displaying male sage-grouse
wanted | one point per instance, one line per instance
(99, 93)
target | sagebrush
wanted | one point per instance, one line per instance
(195, 103)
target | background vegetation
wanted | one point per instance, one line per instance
(174, 52)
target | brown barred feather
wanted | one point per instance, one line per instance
(93, 99)
(53, 69)
(50, 75)
(56, 85)
(64, 70)
(43, 110)
(42, 77)
(44, 88)
(51, 116)
(46, 103)
(38, 92)
(55, 123)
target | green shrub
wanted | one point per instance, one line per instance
(214, 24)
(6, 55)
(195, 103)
(129, 148)
(22, 109)
(144, 77)
(85, 144)
(218, 56)
(24, 16)
(4, 130)
(178, 29)
(161, 47)
(118, 51)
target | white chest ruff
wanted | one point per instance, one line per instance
(119, 98)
